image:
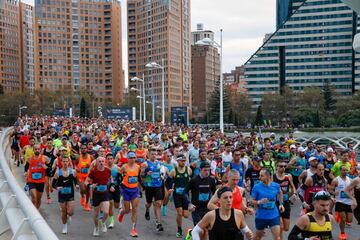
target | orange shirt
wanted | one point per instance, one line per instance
(37, 171)
(83, 166)
(131, 178)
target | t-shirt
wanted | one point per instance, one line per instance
(336, 168)
(101, 178)
(201, 191)
(268, 210)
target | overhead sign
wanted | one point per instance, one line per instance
(179, 115)
(119, 113)
(60, 112)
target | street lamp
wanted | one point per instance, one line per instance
(139, 97)
(153, 110)
(154, 65)
(137, 90)
(143, 93)
(20, 108)
(210, 42)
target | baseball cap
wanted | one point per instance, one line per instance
(131, 155)
(181, 157)
(330, 150)
(322, 195)
(62, 148)
(292, 146)
(313, 158)
(301, 149)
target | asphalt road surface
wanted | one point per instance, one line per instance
(81, 227)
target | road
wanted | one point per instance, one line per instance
(81, 226)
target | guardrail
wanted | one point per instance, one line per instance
(18, 214)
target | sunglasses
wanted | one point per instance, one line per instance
(282, 166)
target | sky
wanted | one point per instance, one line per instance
(244, 24)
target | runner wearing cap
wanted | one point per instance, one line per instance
(202, 187)
(316, 225)
(313, 162)
(153, 182)
(329, 161)
(180, 176)
(130, 190)
(224, 223)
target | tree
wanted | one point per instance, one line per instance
(1, 89)
(329, 100)
(214, 103)
(259, 117)
(83, 109)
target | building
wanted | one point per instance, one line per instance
(312, 47)
(200, 34)
(205, 73)
(284, 9)
(78, 48)
(10, 46)
(27, 46)
(159, 31)
(234, 76)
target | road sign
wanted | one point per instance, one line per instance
(119, 113)
(179, 115)
(60, 112)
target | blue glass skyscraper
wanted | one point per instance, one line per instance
(284, 9)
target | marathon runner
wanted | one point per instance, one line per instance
(49, 152)
(114, 197)
(223, 223)
(28, 152)
(36, 175)
(238, 166)
(168, 166)
(316, 225)
(353, 192)
(130, 191)
(64, 181)
(82, 167)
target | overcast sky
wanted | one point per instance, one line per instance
(244, 24)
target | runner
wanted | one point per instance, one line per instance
(181, 177)
(99, 178)
(343, 201)
(36, 175)
(114, 197)
(353, 191)
(252, 174)
(286, 184)
(223, 223)
(50, 154)
(297, 165)
(264, 196)
(83, 165)
(168, 166)
(130, 191)
(28, 152)
(150, 171)
(344, 161)
(64, 181)
(316, 225)
(238, 166)
(202, 187)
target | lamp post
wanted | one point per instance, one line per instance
(153, 110)
(20, 108)
(143, 93)
(154, 65)
(210, 42)
(139, 97)
(137, 90)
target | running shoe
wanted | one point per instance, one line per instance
(133, 233)
(87, 207)
(159, 227)
(147, 214)
(112, 222)
(179, 234)
(64, 230)
(163, 210)
(96, 232)
(337, 217)
(342, 236)
(103, 227)
(121, 216)
(188, 235)
(82, 201)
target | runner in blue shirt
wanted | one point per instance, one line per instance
(264, 196)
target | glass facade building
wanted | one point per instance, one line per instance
(313, 46)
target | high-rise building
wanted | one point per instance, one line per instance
(284, 9)
(27, 46)
(200, 34)
(312, 47)
(78, 48)
(205, 73)
(10, 46)
(159, 31)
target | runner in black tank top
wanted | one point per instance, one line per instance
(225, 229)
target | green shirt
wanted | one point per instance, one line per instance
(336, 168)
(57, 143)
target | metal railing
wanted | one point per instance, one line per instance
(17, 213)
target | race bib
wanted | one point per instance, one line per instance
(36, 176)
(179, 190)
(286, 197)
(203, 197)
(343, 195)
(269, 205)
(65, 190)
(226, 164)
(101, 188)
(155, 175)
(84, 170)
(140, 160)
(132, 179)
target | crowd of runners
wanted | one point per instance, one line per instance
(216, 178)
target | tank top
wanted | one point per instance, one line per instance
(122, 159)
(180, 181)
(241, 170)
(115, 175)
(315, 229)
(29, 152)
(225, 230)
(67, 184)
(50, 155)
(320, 157)
(236, 198)
(153, 180)
(131, 178)
(319, 184)
(169, 168)
(300, 166)
(37, 171)
(341, 196)
(140, 155)
(83, 166)
(284, 186)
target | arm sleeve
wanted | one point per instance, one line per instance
(294, 233)
(196, 232)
